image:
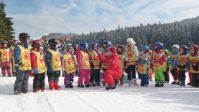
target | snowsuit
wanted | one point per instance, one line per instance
(39, 69)
(22, 66)
(69, 65)
(182, 67)
(158, 58)
(166, 70)
(84, 68)
(6, 61)
(104, 66)
(131, 62)
(53, 62)
(143, 67)
(114, 71)
(194, 69)
(95, 68)
(174, 70)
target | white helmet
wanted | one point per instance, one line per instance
(131, 41)
(176, 46)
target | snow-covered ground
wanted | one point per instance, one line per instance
(171, 98)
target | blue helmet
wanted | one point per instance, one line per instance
(159, 46)
(145, 48)
(107, 43)
(83, 46)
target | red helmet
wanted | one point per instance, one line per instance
(36, 43)
(195, 47)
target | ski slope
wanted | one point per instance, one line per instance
(171, 98)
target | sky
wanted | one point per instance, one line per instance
(40, 17)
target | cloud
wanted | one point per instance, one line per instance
(78, 16)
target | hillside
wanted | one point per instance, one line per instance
(181, 32)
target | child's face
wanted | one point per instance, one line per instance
(129, 44)
(5, 45)
(181, 51)
(70, 48)
(191, 50)
(119, 49)
(174, 49)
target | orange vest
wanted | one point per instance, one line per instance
(193, 60)
(182, 60)
(5, 55)
(157, 56)
(24, 59)
(56, 61)
(121, 57)
(95, 59)
(131, 57)
(85, 60)
(105, 65)
(174, 57)
(41, 66)
(12, 51)
(69, 63)
(142, 68)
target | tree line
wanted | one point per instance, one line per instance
(182, 32)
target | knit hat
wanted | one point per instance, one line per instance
(130, 40)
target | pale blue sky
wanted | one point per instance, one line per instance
(39, 17)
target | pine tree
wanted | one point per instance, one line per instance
(6, 29)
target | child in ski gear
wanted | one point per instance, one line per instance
(84, 65)
(194, 65)
(173, 62)
(131, 58)
(22, 64)
(166, 67)
(5, 59)
(120, 52)
(114, 72)
(38, 66)
(182, 64)
(53, 62)
(106, 45)
(95, 65)
(151, 73)
(158, 59)
(143, 66)
(69, 65)
(13, 43)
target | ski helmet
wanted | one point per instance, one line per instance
(159, 45)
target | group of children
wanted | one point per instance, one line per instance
(95, 66)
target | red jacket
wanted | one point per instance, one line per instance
(113, 62)
(33, 58)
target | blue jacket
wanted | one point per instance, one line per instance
(48, 60)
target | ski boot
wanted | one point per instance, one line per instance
(80, 86)
(157, 84)
(161, 84)
(17, 92)
(51, 85)
(182, 83)
(56, 86)
(87, 85)
(71, 85)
